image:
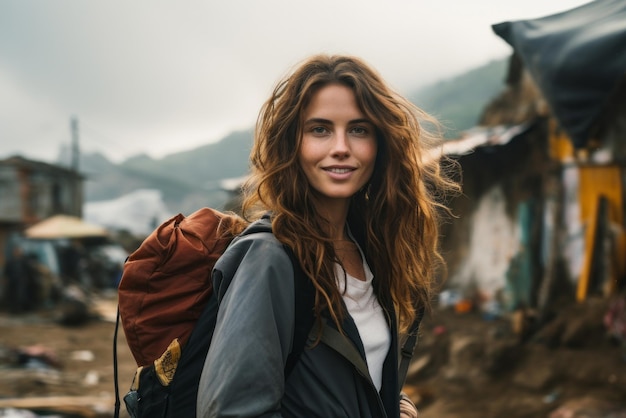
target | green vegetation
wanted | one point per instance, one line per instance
(459, 102)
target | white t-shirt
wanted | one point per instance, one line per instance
(369, 318)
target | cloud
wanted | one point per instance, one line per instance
(157, 76)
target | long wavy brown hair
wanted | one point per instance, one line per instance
(395, 217)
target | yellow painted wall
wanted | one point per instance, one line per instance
(595, 182)
(561, 148)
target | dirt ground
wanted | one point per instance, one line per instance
(472, 367)
(466, 366)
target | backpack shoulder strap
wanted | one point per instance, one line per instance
(409, 347)
(305, 317)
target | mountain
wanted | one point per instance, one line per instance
(201, 166)
(186, 180)
(191, 179)
(458, 102)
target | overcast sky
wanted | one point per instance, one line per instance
(156, 77)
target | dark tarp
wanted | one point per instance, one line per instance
(577, 58)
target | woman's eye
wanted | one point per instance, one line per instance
(359, 130)
(319, 130)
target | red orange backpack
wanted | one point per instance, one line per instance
(166, 292)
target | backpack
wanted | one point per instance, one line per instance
(166, 293)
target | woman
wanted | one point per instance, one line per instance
(339, 164)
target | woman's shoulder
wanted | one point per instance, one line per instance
(258, 233)
(256, 254)
(255, 245)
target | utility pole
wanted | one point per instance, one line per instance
(75, 159)
(75, 149)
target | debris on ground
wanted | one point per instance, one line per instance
(467, 364)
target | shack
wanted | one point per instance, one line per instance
(542, 216)
(31, 191)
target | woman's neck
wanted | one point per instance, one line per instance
(336, 213)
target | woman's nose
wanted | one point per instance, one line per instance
(341, 146)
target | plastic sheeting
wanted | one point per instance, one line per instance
(577, 58)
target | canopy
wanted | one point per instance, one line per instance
(577, 58)
(64, 226)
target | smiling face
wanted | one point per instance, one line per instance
(338, 149)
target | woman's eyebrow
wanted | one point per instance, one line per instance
(362, 120)
(317, 120)
(327, 121)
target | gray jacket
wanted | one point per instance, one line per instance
(243, 375)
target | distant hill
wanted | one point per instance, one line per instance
(187, 180)
(191, 179)
(202, 166)
(458, 102)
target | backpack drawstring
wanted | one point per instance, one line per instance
(116, 414)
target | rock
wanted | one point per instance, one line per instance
(536, 373)
(550, 334)
(534, 378)
(501, 356)
(465, 359)
(584, 328)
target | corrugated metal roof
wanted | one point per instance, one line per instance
(17, 161)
